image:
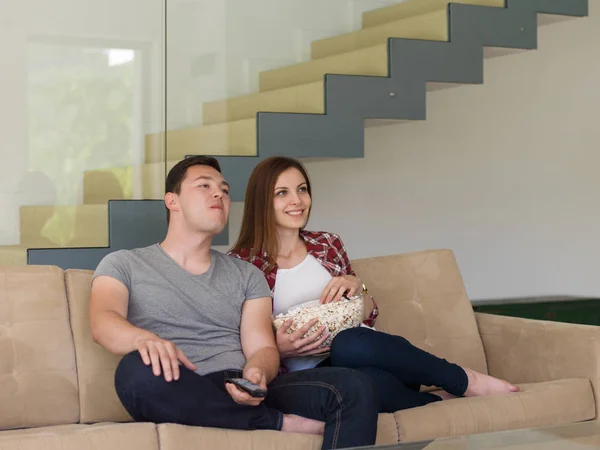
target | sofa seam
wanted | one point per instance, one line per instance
(75, 352)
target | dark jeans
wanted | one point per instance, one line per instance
(397, 367)
(345, 399)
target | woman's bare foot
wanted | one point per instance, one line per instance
(481, 384)
(444, 395)
(298, 424)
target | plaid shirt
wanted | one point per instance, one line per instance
(327, 248)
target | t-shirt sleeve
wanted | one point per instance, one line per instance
(235, 255)
(256, 284)
(115, 266)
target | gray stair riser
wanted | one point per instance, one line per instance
(576, 8)
(493, 27)
(430, 61)
(375, 97)
(131, 224)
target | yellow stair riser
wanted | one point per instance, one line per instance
(371, 61)
(231, 138)
(147, 180)
(64, 226)
(13, 255)
(411, 8)
(432, 26)
(307, 98)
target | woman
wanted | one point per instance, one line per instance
(302, 265)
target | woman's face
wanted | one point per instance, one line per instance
(291, 200)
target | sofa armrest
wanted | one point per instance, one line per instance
(530, 351)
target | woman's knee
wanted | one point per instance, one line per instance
(348, 346)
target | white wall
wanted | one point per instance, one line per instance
(505, 174)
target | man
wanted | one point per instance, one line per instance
(186, 317)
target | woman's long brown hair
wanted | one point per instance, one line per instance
(258, 233)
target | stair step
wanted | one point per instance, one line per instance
(411, 8)
(368, 61)
(306, 98)
(236, 138)
(147, 181)
(299, 88)
(432, 26)
(64, 226)
(371, 61)
(13, 255)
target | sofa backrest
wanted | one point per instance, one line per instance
(95, 365)
(422, 297)
(52, 372)
(38, 377)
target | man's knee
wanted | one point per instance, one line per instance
(132, 372)
(347, 345)
(362, 382)
(359, 389)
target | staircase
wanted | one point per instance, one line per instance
(315, 109)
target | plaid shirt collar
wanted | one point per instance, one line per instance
(316, 244)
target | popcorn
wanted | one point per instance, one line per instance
(335, 317)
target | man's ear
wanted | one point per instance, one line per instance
(171, 201)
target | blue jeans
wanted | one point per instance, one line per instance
(345, 399)
(397, 367)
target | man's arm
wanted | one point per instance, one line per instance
(258, 338)
(108, 311)
(109, 302)
(259, 347)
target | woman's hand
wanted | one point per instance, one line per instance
(293, 344)
(336, 288)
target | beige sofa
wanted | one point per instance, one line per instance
(56, 384)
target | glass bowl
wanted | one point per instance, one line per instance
(335, 317)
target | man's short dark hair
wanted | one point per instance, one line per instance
(177, 173)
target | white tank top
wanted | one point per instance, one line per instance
(300, 284)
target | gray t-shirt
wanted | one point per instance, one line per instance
(200, 314)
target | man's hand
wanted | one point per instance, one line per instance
(254, 375)
(336, 288)
(293, 344)
(162, 355)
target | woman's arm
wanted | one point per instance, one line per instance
(371, 310)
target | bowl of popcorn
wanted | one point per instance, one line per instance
(335, 317)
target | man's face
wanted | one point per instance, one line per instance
(203, 203)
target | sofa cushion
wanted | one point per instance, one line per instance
(175, 437)
(38, 378)
(422, 297)
(572, 436)
(537, 405)
(95, 365)
(83, 437)
(387, 429)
